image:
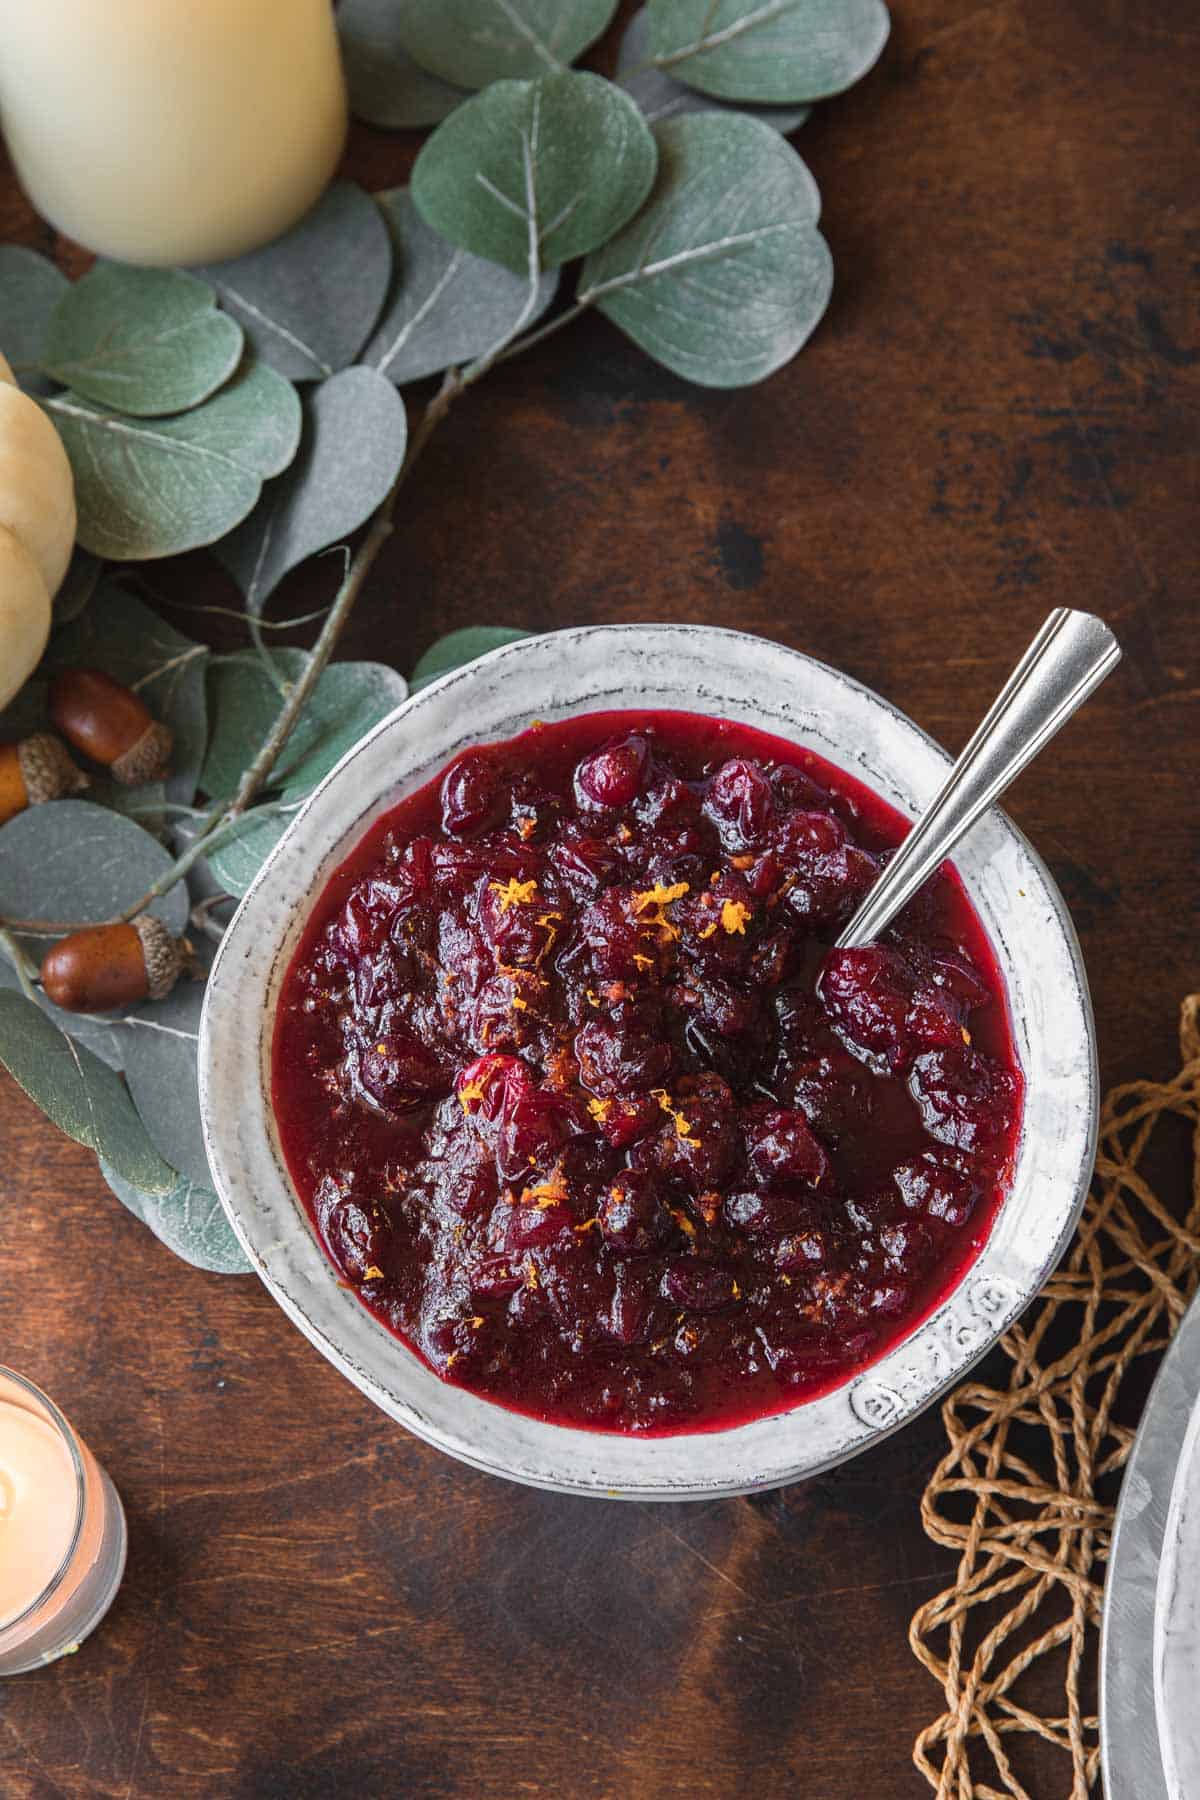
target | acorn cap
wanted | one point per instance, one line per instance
(47, 769)
(149, 759)
(166, 958)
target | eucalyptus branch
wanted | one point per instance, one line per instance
(225, 814)
(257, 774)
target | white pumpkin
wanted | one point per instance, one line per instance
(37, 530)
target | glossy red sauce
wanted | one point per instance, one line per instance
(571, 1111)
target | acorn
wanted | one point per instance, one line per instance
(106, 966)
(110, 724)
(35, 770)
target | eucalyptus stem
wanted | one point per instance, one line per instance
(20, 963)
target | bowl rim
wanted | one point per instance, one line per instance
(273, 1227)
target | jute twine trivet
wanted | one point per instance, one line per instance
(1025, 1492)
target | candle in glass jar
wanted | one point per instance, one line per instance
(37, 1506)
(171, 131)
(62, 1531)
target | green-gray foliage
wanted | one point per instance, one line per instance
(188, 1219)
(460, 647)
(446, 306)
(160, 1072)
(83, 1096)
(660, 96)
(534, 173)
(723, 274)
(353, 444)
(307, 300)
(155, 487)
(387, 87)
(148, 341)
(349, 698)
(79, 861)
(242, 851)
(30, 289)
(770, 51)
(473, 42)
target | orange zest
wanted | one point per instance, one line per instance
(513, 892)
(734, 915)
(683, 1128)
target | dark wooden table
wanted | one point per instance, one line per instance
(997, 415)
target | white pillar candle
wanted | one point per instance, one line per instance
(62, 1531)
(171, 131)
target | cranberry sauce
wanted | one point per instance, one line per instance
(585, 1110)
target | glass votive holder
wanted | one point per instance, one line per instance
(62, 1531)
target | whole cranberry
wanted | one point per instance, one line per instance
(964, 1099)
(528, 1227)
(620, 1060)
(866, 995)
(585, 862)
(698, 1285)
(611, 776)
(632, 1215)
(803, 1253)
(610, 932)
(833, 1093)
(938, 1185)
(354, 1236)
(399, 1072)
(635, 1313)
(623, 1122)
(470, 794)
(761, 1214)
(781, 1147)
(739, 802)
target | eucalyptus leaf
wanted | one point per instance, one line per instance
(387, 87)
(78, 1092)
(30, 289)
(76, 861)
(474, 42)
(460, 647)
(243, 851)
(347, 701)
(78, 585)
(146, 341)
(121, 636)
(661, 97)
(307, 300)
(188, 1219)
(160, 1072)
(774, 52)
(533, 173)
(723, 275)
(351, 450)
(155, 488)
(446, 306)
(100, 1035)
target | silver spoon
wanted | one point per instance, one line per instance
(1067, 661)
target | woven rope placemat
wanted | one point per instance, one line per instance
(1025, 1491)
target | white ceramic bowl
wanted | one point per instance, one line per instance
(727, 674)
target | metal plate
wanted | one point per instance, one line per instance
(1177, 1626)
(1129, 1749)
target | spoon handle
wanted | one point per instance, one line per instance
(1067, 661)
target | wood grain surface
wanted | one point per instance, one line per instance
(997, 415)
